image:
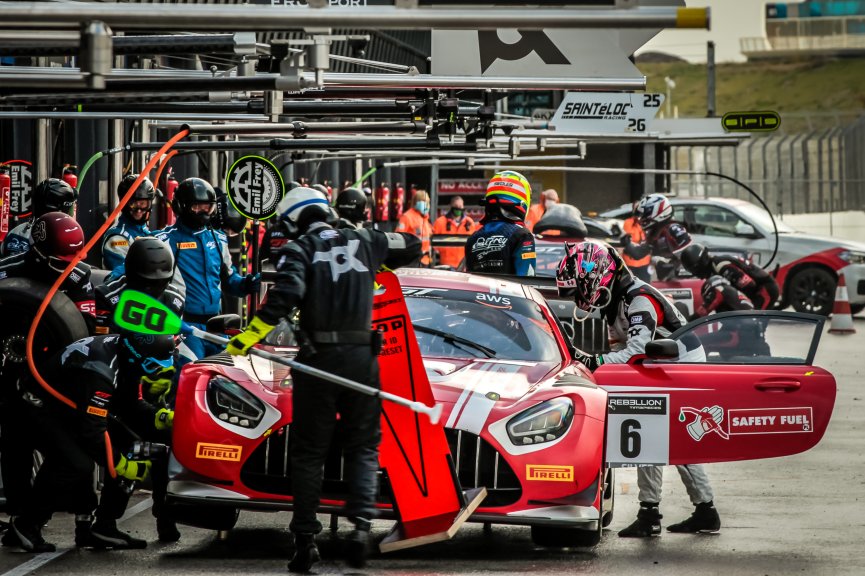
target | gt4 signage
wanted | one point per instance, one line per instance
(606, 112)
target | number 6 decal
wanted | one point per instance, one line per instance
(638, 429)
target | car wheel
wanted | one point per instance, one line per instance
(609, 497)
(558, 537)
(856, 308)
(61, 324)
(217, 518)
(812, 290)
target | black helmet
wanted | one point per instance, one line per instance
(696, 260)
(351, 205)
(227, 218)
(145, 191)
(54, 195)
(193, 191)
(152, 352)
(149, 266)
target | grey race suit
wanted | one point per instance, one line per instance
(635, 324)
(329, 275)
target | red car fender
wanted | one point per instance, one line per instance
(826, 259)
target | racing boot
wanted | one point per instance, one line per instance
(305, 553)
(83, 523)
(104, 534)
(704, 519)
(10, 539)
(29, 536)
(357, 543)
(166, 529)
(647, 524)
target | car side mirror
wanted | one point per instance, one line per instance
(663, 349)
(222, 323)
(746, 231)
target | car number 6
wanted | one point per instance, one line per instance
(630, 438)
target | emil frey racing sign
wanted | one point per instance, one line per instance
(255, 187)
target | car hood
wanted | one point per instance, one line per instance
(810, 243)
(500, 380)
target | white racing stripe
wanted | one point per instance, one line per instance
(498, 378)
(41, 560)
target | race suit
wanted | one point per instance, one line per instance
(329, 274)
(720, 296)
(18, 240)
(108, 295)
(71, 441)
(501, 247)
(117, 239)
(17, 453)
(642, 315)
(204, 264)
(663, 243)
(757, 284)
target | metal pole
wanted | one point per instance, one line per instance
(710, 79)
(258, 18)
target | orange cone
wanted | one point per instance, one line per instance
(842, 318)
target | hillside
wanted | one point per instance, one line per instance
(808, 94)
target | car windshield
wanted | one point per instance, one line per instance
(761, 218)
(466, 324)
(547, 258)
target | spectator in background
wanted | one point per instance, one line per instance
(454, 221)
(416, 221)
(536, 212)
(641, 267)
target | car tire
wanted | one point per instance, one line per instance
(812, 290)
(609, 497)
(559, 537)
(217, 518)
(61, 324)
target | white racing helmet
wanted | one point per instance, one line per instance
(301, 207)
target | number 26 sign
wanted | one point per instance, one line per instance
(638, 430)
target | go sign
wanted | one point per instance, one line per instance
(255, 187)
(138, 312)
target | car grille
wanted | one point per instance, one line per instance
(476, 461)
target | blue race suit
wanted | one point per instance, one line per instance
(501, 247)
(204, 263)
(117, 239)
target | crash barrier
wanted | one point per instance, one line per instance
(842, 317)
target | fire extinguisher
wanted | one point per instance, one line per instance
(5, 191)
(168, 215)
(397, 202)
(70, 175)
(382, 199)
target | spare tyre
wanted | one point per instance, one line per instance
(562, 220)
(61, 324)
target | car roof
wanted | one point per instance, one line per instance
(625, 209)
(434, 278)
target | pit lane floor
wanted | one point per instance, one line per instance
(803, 514)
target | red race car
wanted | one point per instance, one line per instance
(522, 419)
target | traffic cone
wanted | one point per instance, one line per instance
(842, 318)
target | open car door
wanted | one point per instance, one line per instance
(756, 395)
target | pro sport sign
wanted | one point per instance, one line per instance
(606, 112)
(255, 187)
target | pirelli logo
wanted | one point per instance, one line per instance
(550, 473)
(187, 245)
(218, 452)
(101, 412)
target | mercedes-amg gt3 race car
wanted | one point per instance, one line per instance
(522, 418)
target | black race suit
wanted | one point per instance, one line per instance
(501, 247)
(329, 274)
(745, 276)
(664, 243)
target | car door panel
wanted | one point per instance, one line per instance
(757, 395)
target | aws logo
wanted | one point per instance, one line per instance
(493, 300)
(492, 48)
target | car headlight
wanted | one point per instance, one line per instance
(542, 423)
(852, 257)
(232, 403)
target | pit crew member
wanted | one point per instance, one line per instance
(665, 238)
(757, 284)
(131, 223)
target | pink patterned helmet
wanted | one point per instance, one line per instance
(588, 269)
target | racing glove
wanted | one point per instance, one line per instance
(252, 283)
(164, 419)
(254, 333)
(590, 361)
(159, 384)
(135, 470)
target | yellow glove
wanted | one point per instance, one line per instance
(135, 470)
(164, 419)
(254, 333)
(158, 384)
